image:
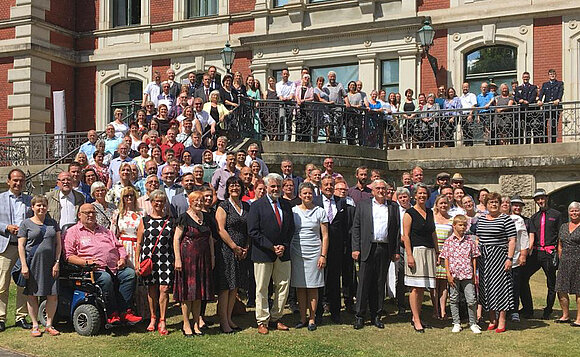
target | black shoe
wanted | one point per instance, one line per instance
(227, 332)
(358, 323)
(188, 335)
(419, 330)
(294, 308)
(526, 314)
(251, 304)
(378, 323)
(318, 320)
(546, 315)
(2, 326)
(301, 325)
(23, 324)
(350, 308)
(311, 327)
(335, 318)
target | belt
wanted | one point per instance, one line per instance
(128, 239)
(548, 248)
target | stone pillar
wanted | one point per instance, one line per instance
(522, 185)
(295, 67)
(260, 72)
(408, 70)
(261, 15)
(367, 71)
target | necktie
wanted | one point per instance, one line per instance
(277, 212)
(542, 229)
(207, 93)
(330, 213)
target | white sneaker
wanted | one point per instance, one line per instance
(475, 328)
(456, 328)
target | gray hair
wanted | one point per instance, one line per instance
(331, 72)
(215, 92)
(403, 191)
(197, 166)
(375, 182)
(95, 186)
(573, 205)
(304, 185)
(272, 176)
(158, 194)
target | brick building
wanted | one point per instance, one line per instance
(103, 52)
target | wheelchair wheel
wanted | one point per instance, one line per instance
(42, 313)
(87, 320)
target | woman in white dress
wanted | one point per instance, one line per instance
(308, 253)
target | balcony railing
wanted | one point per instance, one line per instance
(39, 149)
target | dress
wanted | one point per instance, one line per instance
(443, 231)
(423, 248)
(162, 258)
(40, 256)
(228, 267)
(495, 284)
(104, 214)
(195, 280)
(569, 269)
(126, 226)
(306, 247)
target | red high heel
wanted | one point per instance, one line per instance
(152, 324)
(162, 332)
(500, 330)
(491, 327)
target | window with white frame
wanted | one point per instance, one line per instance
(202, 8)
(126, 12)
(390, 76)
(496, 64)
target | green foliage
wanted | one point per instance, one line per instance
(493, 59)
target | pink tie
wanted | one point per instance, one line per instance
(542, 229)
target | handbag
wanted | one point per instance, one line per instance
(146, 265)
(555, 259)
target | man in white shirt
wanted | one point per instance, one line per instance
(253, 151)
(165, 97)
(90, 146)
(152, 90)
(285, 88)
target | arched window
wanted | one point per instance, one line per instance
(123, 94)
(560, 199)
(496, 64)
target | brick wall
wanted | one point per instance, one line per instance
(7, 33)
(162, 66)
(85, 101)
(161, 36)
(242, 63)
(439, 50)
(5, 8)
(62, 13)
(161, 11)
(6, 63)
(547, 48)
(86, 43)
(62, 77)
(236, 6)
(426, 5)
(242, 26)
(62, 40)
(87, 15)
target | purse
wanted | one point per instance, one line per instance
(146, 265)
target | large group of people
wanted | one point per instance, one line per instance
(226, 227)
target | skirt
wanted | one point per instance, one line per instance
(495, 284)
(423, 275)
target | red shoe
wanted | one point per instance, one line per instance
(130, 318)
(491, 327)
(114, 319)
(500, 330)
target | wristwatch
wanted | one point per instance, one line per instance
(510, 258)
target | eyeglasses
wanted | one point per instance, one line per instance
(130, 195)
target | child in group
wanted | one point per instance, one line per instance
(460, 252)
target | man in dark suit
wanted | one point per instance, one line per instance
(174, 87)
(204, 90)
(336, 212)
(214, 82)
(526, 96)
(288, 172)
(271, 227)
(376, 236)
(180, 202)
(551, 94)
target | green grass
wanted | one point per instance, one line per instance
(529, 338)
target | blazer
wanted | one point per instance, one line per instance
(200, 92)
(338, 234)
(54, 203)
(551, 91)
(265, 233)
(175, 89)
(363, 228)
(5, 217)
(179, 204)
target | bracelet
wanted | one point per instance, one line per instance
(323, 256)
(510, 258)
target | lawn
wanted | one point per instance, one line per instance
(529, 338)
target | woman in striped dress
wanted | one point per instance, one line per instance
(443, 229)
(497, 242)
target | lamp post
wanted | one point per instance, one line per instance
(425, 36)
(228, 54)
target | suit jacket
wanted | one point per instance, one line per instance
(200, 92)
(5, 217)
(265, 233)
(551, 91)
(54, 206)
(175, 89)
(526, 92)
(338, 234)
(363, 228)
(179, 204)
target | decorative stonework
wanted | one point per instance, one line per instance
(523, 30)
(456, 37)
(409, 39)
(295, 51)
(368, 43)
(145, 68)
(259, 54)
(523, 185)
(573, 24)
(176, 65)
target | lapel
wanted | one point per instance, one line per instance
(370, 218)
(270, 208)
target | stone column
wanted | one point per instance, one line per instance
(367, 71)
(295, 67)
(260, 72)
(408, 70)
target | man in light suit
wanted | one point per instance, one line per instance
(15, 207)
(335, 208)
(64, 202)
(271, 227)
(376, 236)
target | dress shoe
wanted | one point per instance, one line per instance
(358, 323)
(301, 325)
(335, 318)
(378, 323)
(23, 324)
(262, 329)
(281, 327)
(188, 335)
(2, 326)
(418, 330)
(546, 315)
(560, 321)
(311, 327)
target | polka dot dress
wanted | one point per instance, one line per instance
(162, 258)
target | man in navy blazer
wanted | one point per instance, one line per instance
(288, 172)
(180, 202)
(271, 227)
(376, 237)
(15, 208)
(336, 211)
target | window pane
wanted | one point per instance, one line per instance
(491, 59)
(135, 12)
(278, 3)
(390, 73)
(120, 13)
(344, 74)
(475, 83)
(200, 8)
(277, 73)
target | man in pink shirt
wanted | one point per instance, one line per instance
(87, 243)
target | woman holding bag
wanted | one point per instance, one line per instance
(39, 248)
(155, 253)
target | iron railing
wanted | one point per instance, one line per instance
(39, 149)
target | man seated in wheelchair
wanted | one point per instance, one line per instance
(88, 243)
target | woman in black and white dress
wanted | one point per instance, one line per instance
(497, 242)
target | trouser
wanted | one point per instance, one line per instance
(7, 261)
(517, 274)
(467, 288)
(248, 267)
(537, 260)
(552, 117)
(279, 272)
(349, 277)
(331, 290)
(117, 299)
(372, 279)
(401, 289)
